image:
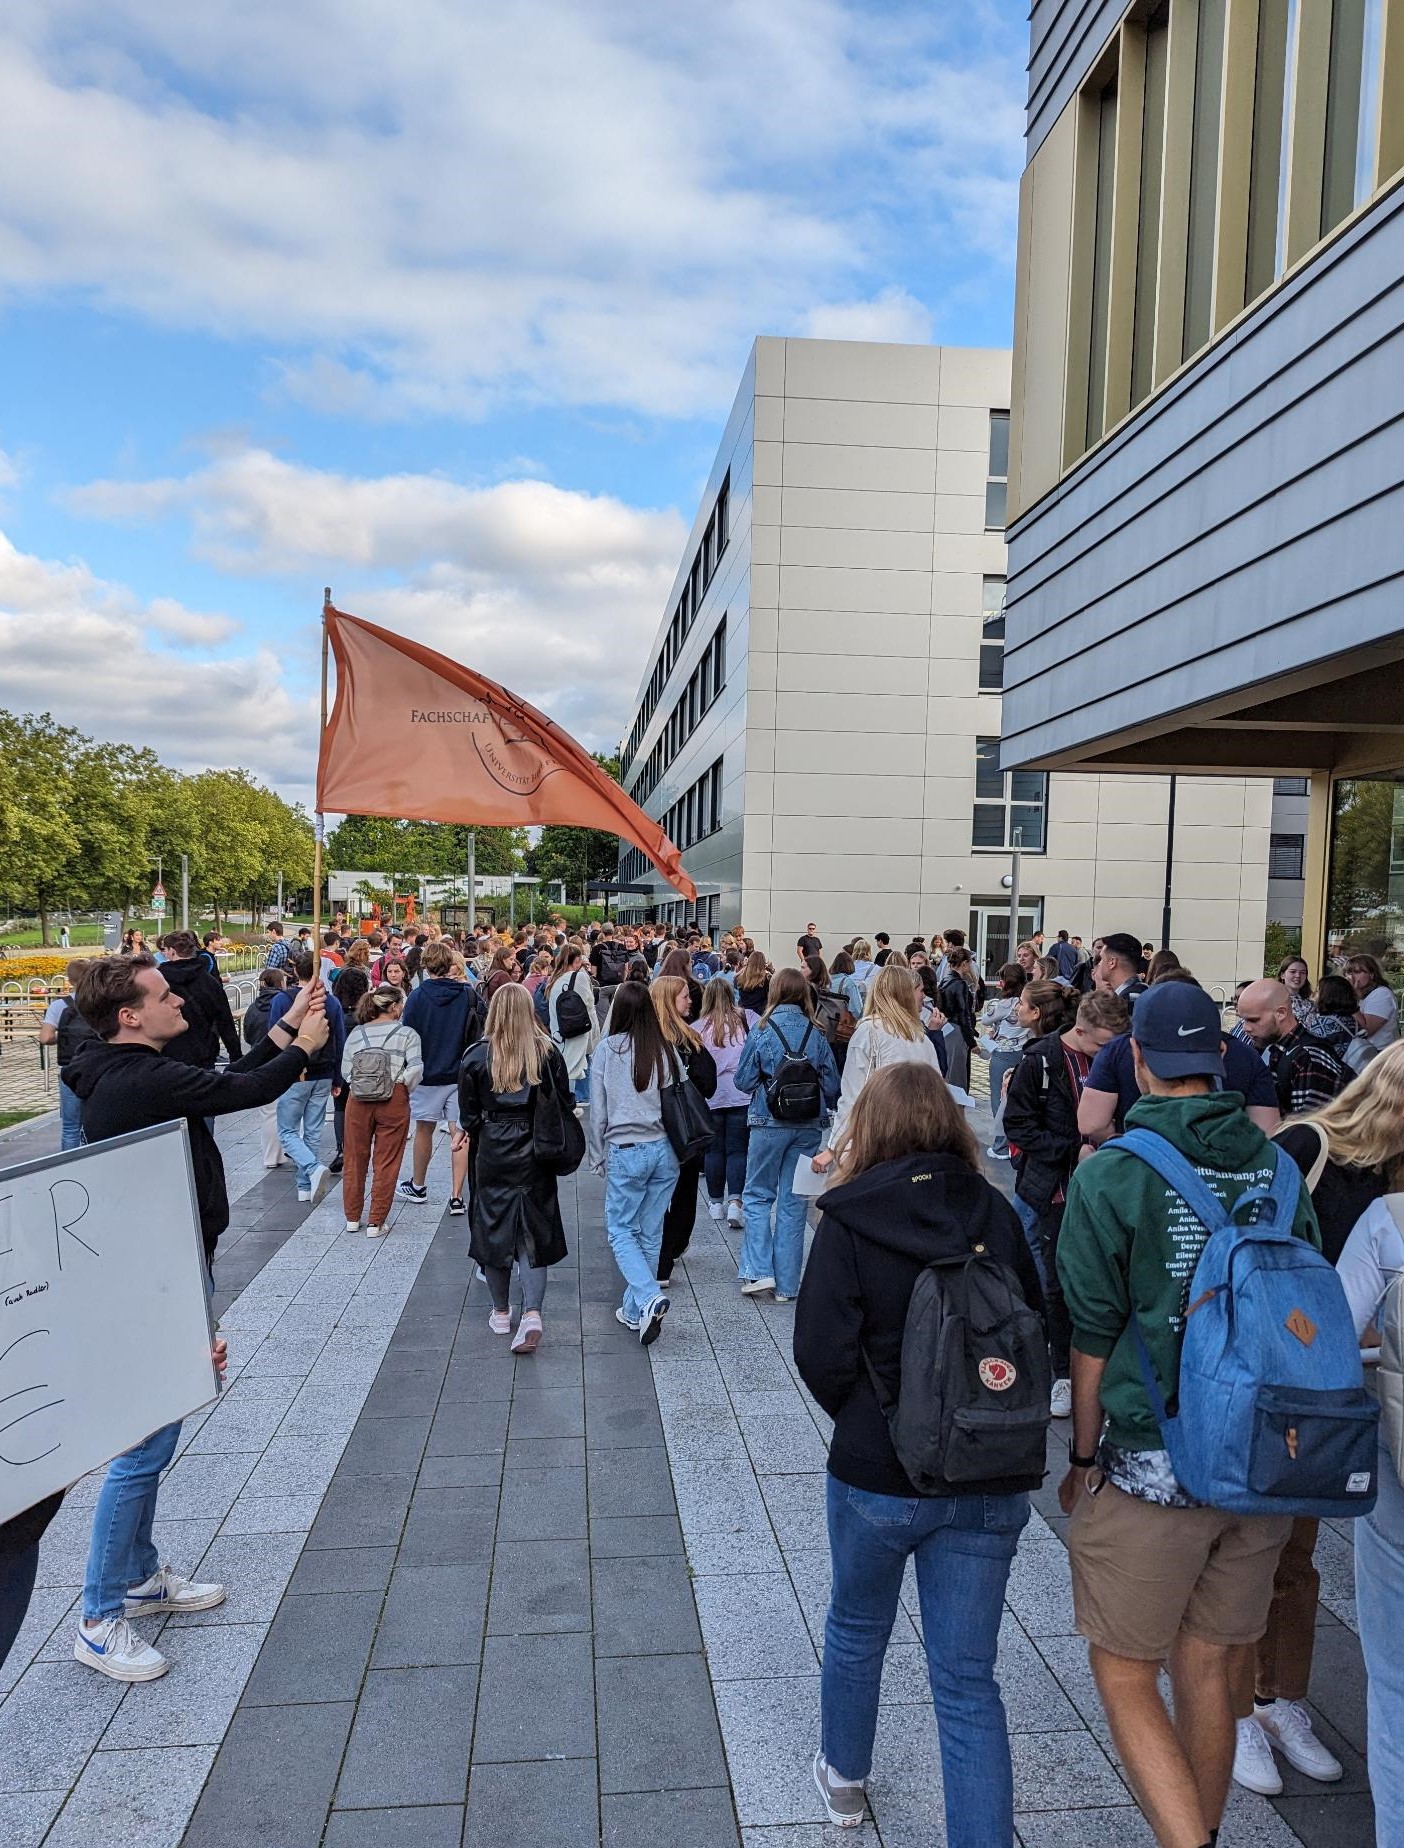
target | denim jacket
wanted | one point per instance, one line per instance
(761, 1058)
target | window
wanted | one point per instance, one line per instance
(1204, 174)
(1285, 856)
(715, 806)
(1152, 185)
(723, 515)
(1352, 106)
(1272, 124)
(1005, 803)
(1101, 266)
(1291, 786)
(992, 637)
(997, 484)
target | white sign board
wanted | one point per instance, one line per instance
(104, 1320)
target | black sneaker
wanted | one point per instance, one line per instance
(408, 1191)
(651, 1327)
(456, 1207)
(336, 1164)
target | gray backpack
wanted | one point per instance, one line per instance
(372, 1074)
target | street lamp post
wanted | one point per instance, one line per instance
(1014, 892)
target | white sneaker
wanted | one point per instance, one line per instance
(353, 1225)
(734, 1215)
(114, 1649)
(757, 1286)
(846, 1803)
(717, 1208)
(624, 1321)
(166, 1590)
(1253, 1765)
(1287, 1725)
(500, 1321)
(304, 1194)
(321, 1180)
(376, 1231)
(1060, 1403)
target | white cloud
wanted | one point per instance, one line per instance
(91, 653)
(892, 314)
(430, 210)
(557, 594)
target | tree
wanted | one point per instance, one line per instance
(1365, 829)
(577, 856)
(38, 831)
(431, 849)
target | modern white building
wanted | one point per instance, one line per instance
(818, 721)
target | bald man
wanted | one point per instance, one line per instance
(1305, 1070)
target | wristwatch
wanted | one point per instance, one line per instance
(1078, 1462)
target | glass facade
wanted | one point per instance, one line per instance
(1365, 894)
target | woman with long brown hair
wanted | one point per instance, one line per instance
(786, 1122)
(908, 1192)
(503, 968)
(672, 1002)
(956, 997)
(753, 983)
(514, 1214)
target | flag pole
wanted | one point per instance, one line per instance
(319, 824)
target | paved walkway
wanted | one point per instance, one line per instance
(564, 1601)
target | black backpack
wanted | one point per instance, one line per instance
(255, 1022)
(72, 1031)
(614, 964)
(794, 1094)
(572, 1015)
(973, 1405)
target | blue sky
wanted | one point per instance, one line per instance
(443, 306)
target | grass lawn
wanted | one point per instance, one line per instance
(8, 1118)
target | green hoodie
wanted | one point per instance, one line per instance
(1129, 1241)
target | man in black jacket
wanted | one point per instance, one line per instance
(126, 1082)
(209, 1021)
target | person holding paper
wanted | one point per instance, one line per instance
(127, 1083)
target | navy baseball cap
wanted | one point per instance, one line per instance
(1179, 1032)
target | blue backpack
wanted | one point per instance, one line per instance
(1273, 1416)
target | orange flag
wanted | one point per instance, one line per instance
(414, 736)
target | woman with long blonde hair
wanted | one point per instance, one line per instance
(909, 1193)
(672, 1003)
(514, 1210)
(890, 1033)
(722, 1030)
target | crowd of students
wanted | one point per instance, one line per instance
(1140, 1135)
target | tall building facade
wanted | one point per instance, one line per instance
(1206, 493)
(818, 720)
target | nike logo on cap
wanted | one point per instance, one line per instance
(1184, 1031)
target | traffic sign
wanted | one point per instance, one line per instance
(158, 900)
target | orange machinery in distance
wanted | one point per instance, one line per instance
(408, 902)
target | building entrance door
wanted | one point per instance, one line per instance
(989, 930)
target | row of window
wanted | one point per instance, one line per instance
(1286, 853)
(1208, 162)
(704, 684)
(695, 586)
(997, 476)
(698, 813)
(1008, 804)
(992, 636)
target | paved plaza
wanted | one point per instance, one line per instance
(562, 1601)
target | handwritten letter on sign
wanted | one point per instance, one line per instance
(104, 1326)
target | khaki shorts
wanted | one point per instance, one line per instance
(1141, 1573)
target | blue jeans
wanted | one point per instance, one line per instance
(1000, 1063)
(725, 1161)
(580, 1088)
(70, 1119)
(639, 1183)
(1379, 1592)
(770, 1166)
(302, 1110)
(963, 1546)
(121, 1554)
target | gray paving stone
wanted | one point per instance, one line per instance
(719, 1496)
(141, 1799)
(799, 1835)
(631, 1536)
(272, 1514)
(535, 1700)
(540, 1587)
(1085, 1828)
(784, 1446)
(753, 1626)
(343, 1568)
(771, 1729)
(470, 1427)
(546, 1453)
(47, 1608)
(1040, 1588)
(657, 1724)
(550, 1804)
(644, 1606)
(319, 1411)
(712, 1553)
(245, 1419)
(462, 1472)
(363, 1511)
(624, 1482)
(1323, 1820)
(621, 1422)
(448, 1527)
(193, 1704)
(253, 1568)
(316, 1649)
(433, 1617)
(204, 1487)
(706, 1435)
(796, 1506)
(25, 1816)
(272, 1780)
(694, 1819)
(1063, 1770)
(382, 1445)
(542, 1504)
(440, 1827)
(410, 1742)
(548, 1414)
(51, 1722)
(300, 1465)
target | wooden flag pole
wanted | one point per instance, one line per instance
(319, 825)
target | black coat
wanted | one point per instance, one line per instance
(513, 1204)
(876, 1234)
(210, 1023)
(956, 1000)
(131, 1087)
(1040, 1120)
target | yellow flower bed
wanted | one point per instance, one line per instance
(38, 965)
